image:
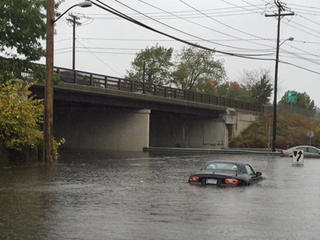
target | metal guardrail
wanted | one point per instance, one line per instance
(108, 82)
(121, 84)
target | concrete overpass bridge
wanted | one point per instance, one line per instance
(98, 112)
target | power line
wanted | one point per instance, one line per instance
(304, 6)
(215, 20)
(186, 16)
(305, 27)
(170, 40)
(98, 58)
(223, 10)
(243, 7)
(235, 37)
(302, 30)
(97, 52)
(108, 48)
(140, 49)
(284, 49)
(298, 66)
(206, 27)
(298, 58)
(308, 19)
(181, 13)
(120, 14)
(226, 34)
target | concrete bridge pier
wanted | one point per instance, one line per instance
(98, 128)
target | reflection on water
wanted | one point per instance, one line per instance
(130, 196)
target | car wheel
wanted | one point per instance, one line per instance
(203, 182)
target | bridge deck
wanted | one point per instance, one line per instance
(82, 78)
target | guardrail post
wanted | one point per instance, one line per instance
(154, 89)
(91, 80)
(75, 76)
(119, 84)
(105, 82)
(175, 93)
(143, 88)
(165, 91)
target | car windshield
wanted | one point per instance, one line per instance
(222, 166)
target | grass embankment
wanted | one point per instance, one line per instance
(291, 131)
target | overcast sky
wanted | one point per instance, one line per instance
(107, 44)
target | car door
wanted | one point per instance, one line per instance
(251, 173)
(313, 152)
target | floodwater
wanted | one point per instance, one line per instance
(95, 196)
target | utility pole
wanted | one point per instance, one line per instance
(143, 76)
(48, 103)
(48, 88)
(74, 20)
(279, 14)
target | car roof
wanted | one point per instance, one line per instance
(304, 146)
(235, 163)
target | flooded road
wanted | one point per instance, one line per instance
(141, 197)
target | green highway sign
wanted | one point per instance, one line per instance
(291, 97)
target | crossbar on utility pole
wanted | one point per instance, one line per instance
(278, 15)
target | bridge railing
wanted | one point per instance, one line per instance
(103, 81)
(109, 82)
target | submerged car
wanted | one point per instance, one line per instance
(225, 174)
(308, 151)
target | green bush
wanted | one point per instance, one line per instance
(21, 116)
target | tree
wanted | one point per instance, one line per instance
(195, 68)
(234, 91)
(259, 86)
(157, 62)
(22, 27)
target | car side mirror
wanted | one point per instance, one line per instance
(258, 174)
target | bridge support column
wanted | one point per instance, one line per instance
(102, 129)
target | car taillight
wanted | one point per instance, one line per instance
(194, 179)
(231, 181)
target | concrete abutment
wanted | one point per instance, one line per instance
(95, 128)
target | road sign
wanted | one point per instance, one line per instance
(297, 157)
(310, 134)
(291, 97)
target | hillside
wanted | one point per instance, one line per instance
(291, 131)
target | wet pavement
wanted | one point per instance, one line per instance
(94, 196)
